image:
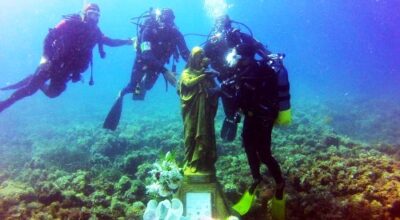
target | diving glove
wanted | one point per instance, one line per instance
(284, 117)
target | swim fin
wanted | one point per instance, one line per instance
(245, 203)
(19, 84)
(112, 120)
(278, 208)
(247, 200)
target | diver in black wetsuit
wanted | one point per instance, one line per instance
(158, 40)
(67, 53)
(222, 39)
(254, 89)
(225, 37)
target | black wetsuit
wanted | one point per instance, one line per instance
(257, 96)
(155, 47)
(260, 89)
(218, 46)
(258, 100)
(67, 53)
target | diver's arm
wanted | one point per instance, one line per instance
(260, 48)
(115, 42)
(181, 44)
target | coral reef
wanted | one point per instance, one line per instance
(166, 177)
(81, 171)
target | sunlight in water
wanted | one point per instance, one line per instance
(84, 3)
(216, 8)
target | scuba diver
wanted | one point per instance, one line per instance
(223, 38)
(254, 82)
(254, 88)
(158, 39)
(67, 53)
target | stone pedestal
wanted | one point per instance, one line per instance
(205, 195)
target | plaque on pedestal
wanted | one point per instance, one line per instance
(203, 197)
(198, 205)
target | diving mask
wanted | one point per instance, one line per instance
(92, 15)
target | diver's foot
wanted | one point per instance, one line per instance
(254, 185)
(279, 190)
(193, 169)
(189, 169)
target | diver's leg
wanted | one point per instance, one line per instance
(138, 71)
(38, 79)
(250, 148)
(58, 83)
(19, 84)
(151, 79)
(54, 89)
(263, 143)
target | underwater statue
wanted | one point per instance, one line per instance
(199, 104)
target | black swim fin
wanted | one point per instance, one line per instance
(112, 120)
(19, 84)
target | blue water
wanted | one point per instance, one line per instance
(336, 50)
(344, 71)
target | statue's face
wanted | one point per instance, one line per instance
(205, 62)
(200, 61)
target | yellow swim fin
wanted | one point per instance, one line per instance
(245, 203)
(278, 209)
